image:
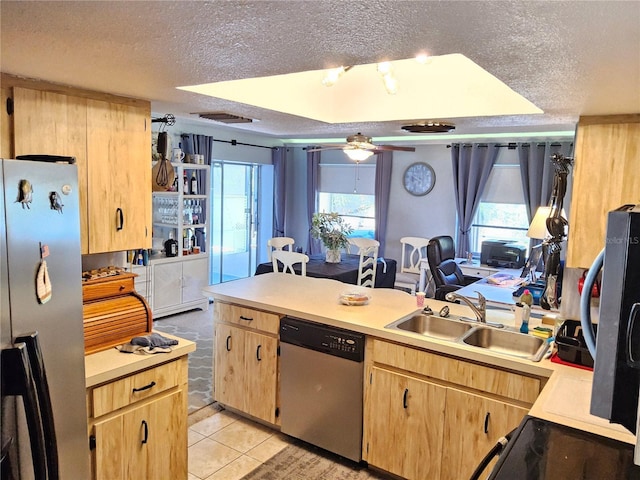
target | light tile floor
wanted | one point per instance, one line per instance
(225, 446)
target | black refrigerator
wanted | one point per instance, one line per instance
(44, 417)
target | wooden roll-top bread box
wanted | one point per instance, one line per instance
(113, 312)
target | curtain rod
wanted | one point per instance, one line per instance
(511, 145)
(235, 142)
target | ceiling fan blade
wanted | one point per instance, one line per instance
(393, 147)
(328, 147)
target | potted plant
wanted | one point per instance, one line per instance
(332, 230)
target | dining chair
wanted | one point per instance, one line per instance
(414, 250)
(288, 260)
(279, 243)
(368, 251)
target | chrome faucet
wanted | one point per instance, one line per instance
(480, 310)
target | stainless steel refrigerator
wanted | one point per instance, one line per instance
(43, 379)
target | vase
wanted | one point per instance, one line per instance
(333, 256)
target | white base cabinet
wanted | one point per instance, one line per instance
(178, 284)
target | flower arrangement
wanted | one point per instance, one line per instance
(331, 229)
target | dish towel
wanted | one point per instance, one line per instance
(152, 343)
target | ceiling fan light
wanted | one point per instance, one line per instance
(333, 75)
(358, 154)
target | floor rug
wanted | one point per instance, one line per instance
(301, 461)
(197, 326)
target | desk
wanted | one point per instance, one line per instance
(346, 271)
(473, 269)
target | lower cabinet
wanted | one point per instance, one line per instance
(138, 424)
(245, 377)
(431, 416)
(473, 425)
(246, 361)
(177, 285)
(404, 418)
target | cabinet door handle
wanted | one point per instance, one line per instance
(258, 353)
(229, 343)
(248, 319)
(146, 431)
(120, 221)
(486, 422)
(146, 387)
(404, 398)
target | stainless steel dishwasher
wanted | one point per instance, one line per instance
(321, 386)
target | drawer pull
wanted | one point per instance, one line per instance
(404, 398)
(146, 387)
(486, 422)
(229, 343)
(258, 353)
(146, 431)
(248, 319)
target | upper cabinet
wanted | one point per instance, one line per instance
(605, 176)
(118, 176)
(110, 138)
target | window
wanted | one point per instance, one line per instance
(502, 213)
(349, 190)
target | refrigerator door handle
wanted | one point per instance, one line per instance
(17, 380)
(36, 362)
(632, 359)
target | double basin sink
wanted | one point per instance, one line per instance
(504, 342)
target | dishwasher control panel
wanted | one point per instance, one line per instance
(322, 338)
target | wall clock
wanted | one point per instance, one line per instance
(419, 179)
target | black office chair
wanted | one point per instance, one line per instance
(447, 275)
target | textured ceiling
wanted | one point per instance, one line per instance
(568, 58)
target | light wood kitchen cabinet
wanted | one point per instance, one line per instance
(473, 425)
(404, 419)
(177, 285)
(118, 176)
(459, 399)
(138, 424)
(605, 177)
(109, 136)
(246, 360)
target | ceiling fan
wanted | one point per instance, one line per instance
(359, 147)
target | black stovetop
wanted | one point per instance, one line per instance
(540, 449)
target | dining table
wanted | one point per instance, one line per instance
(345, 271)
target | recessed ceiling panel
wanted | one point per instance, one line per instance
(445, 87)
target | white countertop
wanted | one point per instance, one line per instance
(564, 399)
(107, 365)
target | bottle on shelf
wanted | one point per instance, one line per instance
(171, 246)
(195, 214)
(185, 183)
(194, 183)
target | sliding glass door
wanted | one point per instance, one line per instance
(237, 217)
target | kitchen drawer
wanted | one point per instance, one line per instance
(471, 375)
(128, 390)
(120, 284)
(477, 271)
(247, 317)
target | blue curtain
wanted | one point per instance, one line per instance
(382, 192)
(278, 157)
(313, 169)
(537, 172)
(200, 144)
(471, 168)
